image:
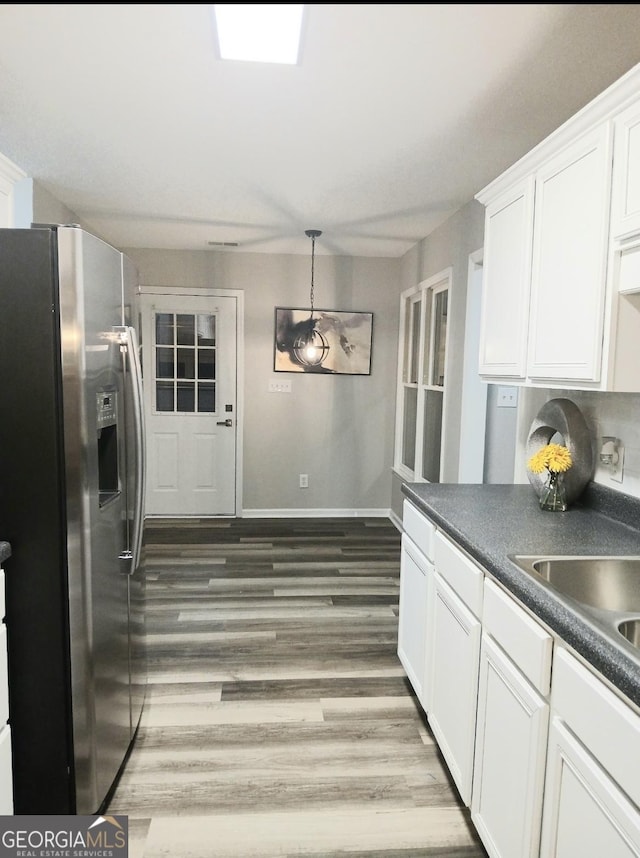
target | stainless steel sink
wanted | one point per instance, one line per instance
(607, 583)
(608, 588)
(630, 629)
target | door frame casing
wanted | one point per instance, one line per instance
(238, 294)
(470, 396)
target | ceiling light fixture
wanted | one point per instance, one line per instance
(258, 33)
(310, 347)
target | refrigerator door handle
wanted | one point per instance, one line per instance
(129, 340)
(138, 410)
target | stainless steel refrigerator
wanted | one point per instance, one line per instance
(71, 505)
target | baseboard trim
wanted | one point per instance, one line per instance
(316, 513)
(396, 520)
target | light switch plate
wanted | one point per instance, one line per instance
(507, 397)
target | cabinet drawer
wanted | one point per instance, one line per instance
(459, 572)
(524, 641)
(418, 527)
(599, 719)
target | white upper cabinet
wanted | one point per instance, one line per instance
(562, 254)
(568, 276)
(625, 203)
(507, 273)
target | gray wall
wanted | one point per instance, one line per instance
(34, 204)
(500, 439)
(336, 429)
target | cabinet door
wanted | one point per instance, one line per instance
(571, 220)
(511, 742)
(506, 282)
(625, 195)
(6, 777)
(4, 677)
(412, 619)
(454, 652)
(585, 814)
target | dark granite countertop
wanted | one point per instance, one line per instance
(5, 551)
(491, 522)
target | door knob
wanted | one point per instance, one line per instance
(227, 422)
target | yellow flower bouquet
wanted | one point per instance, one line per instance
(556, 459)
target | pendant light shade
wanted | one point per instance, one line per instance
(310, 346)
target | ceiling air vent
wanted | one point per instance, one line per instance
(223, 243)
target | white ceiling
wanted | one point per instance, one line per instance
(395, 117)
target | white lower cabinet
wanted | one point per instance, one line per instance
(511, 736)
(453, 656)
(511, 728)
(6, 776)
(592, 787)
(549, 768)
(586, 815)
(415, 578)
(454, 649)
(416, 582)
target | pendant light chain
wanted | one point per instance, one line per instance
(313, 234)
(313, 257)
(310, 347)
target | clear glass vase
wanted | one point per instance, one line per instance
(554, 495)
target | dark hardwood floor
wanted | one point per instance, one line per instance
(278, 720)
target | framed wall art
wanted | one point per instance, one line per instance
(337, 342)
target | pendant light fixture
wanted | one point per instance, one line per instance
(310, 347)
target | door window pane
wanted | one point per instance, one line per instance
(206, 330)
(186, 398)
(185, 329)
(416, 307)
(164, 363)
(164, 329)
(185, 367)
(432, 435)
(439, 338)
(409, 427)
(206, 397)
(206, 363)
(186, 372)
(164, 396)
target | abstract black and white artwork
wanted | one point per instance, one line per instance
(329, 341)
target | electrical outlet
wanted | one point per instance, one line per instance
(617, 470)
(280, 386)
(304, 481)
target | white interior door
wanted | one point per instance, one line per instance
(189, 368)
